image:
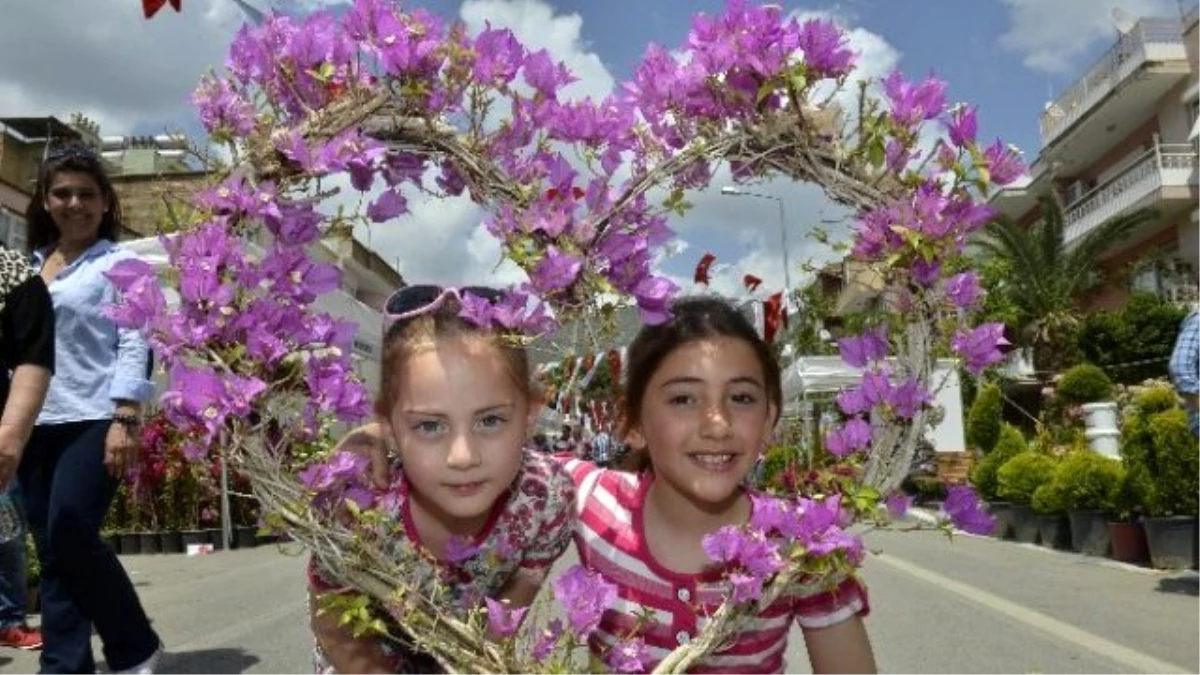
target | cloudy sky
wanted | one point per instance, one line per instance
(133, 76)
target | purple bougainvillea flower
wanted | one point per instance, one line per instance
(503, 621)
(628, 656)
(898, 505)
(963, 508)
(584, 595)
(725, 545)
(459, 550)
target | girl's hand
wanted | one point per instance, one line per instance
(120, 449)
(370, 440)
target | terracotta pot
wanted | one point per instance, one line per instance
(1128, 541)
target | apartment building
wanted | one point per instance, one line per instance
(1124, 137)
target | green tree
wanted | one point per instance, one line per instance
(1047, 276)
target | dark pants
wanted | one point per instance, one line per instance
(67, 492)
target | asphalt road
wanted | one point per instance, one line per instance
(971, 605)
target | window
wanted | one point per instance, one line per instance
(12, 230)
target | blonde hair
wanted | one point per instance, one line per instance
(408, 337)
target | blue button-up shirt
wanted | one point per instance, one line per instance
(1185, 364)
(96, 363)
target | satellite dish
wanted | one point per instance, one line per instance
(1122, 21)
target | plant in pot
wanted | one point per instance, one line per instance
(1084, 487)
(1017, 480)
(984, 477)
(1126, 532)
(1089, 390)
(1049, 508)
(984, 421)
(1171, 517)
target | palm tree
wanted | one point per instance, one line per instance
(1047, 277)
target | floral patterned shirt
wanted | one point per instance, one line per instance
(531, 525)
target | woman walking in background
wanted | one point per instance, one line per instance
(87, 432)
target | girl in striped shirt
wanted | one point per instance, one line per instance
(702, 397)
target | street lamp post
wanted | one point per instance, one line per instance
(787, 266)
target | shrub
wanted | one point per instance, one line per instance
(1048, 499)
(1176, 484)
(1135, 491)
(1156, 399)
(1143, 330)
(1085, 480)
(776, 460)
(983, 421)
(1084, 383)
(1022, 475)
(983, 476)
(924, 489)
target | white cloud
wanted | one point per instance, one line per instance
(538, 26)
(1052, 36)
(109, 62)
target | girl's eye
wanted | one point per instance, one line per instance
(745, 399)
(681, 399)
(492, 422)
(428, 427)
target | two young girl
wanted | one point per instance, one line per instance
(702, 396)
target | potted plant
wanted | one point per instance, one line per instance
(1087, 387)
(1086, 485)
(1126, 533)
(1171, 517)
(1017, 480)
(1049, 507)
(1010, 444)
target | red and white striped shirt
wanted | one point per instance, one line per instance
(611, 540)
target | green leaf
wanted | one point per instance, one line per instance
(876, 153)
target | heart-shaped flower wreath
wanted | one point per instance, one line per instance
(578, 192)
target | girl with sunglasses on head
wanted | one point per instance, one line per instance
(87, 432)
(702, 396)
(477, 505)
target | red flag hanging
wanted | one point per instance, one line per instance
(701, 276)
(751, 282)
(773, 315)
(151, 7)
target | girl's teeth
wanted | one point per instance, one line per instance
(714, 459)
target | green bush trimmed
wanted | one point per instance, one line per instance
(983, 476)
(1022, 475)
(983, 420)
(1177, 483)
(1083, 480)
(1084, 383)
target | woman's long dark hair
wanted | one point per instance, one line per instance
(74, 158)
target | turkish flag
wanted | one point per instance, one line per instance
(774, 316)
(701, 276)
(151, 7)
(751, 282)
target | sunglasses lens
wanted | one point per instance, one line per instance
(411, 298)
(492, 295)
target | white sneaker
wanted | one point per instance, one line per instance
(147, 667)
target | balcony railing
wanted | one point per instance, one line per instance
(1171, 165)
(1150, 40)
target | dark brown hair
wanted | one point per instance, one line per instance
(405, 338)
(71, 158)
(691, 319)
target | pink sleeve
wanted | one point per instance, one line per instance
(828, 602)
(557, 522)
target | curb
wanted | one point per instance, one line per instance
(929, 517)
